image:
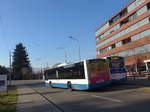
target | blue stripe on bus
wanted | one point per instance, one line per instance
(79, 86)
(60, 85)
(98, 85)
(47, 84)
(118, 80)
(119, 70)
(74, 86)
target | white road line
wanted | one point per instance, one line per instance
(107, 98)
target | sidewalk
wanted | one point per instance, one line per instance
(140, 82)
(30, 101)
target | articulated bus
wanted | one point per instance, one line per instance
(83, 75)
(117, 69)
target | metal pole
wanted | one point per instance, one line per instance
(79, 53)
(10, 68)
(78, 46)
(47, 64)
(65, 51)
(65, 55)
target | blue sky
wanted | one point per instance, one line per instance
(44, 25)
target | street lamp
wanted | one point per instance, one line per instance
(64, 51)
(78, 46)
(10, 67)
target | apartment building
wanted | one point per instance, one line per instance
(126, 34)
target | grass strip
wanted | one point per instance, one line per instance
(8, 100)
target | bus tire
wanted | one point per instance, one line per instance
(50, 83)
(69, 86)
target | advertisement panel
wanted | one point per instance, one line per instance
(98, 71)
(3, 83)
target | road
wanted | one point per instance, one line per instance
(128, 97)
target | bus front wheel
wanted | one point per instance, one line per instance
(69, 86)
(50, 83)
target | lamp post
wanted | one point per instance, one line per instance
(10, 67)
(65, 51)
(75, 39)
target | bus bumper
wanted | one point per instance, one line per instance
(118, 80)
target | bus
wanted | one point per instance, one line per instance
(147, 63)
(117, 69)
(83, 75)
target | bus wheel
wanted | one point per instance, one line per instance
(69, 86)
(50, 83)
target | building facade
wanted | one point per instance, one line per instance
(126, 34)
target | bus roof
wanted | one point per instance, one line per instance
(70, 63)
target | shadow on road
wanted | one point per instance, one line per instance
(130, 84)
(96, 105)
(91, 105)
(44, 93)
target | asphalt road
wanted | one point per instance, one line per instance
(128, 97)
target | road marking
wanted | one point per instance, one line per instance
(107, 98)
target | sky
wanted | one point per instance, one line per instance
(45, 25)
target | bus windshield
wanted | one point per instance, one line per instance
(98, 67)
(116, 62)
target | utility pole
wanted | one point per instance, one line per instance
(47, 64)
(79, 52)
(65, 52)
(10, 67)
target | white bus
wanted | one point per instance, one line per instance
(84, 75)
(147, 62)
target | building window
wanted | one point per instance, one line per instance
(124, 21)
(124, 12)
(135, 4)
(134, 15)
(114, 19)
(121, 14)
(118, 44)
(97, 39)
(111, 31)
(113, 46)
(125, 41)
(103, 50)
(148, 6)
